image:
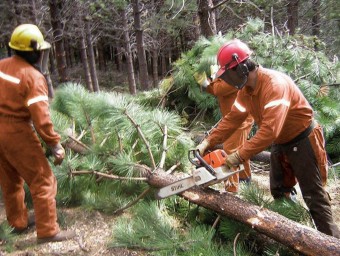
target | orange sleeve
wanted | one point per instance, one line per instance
(38, 106)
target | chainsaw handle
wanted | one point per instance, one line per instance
(202, 162)
(191, 156)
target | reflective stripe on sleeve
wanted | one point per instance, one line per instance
(37, 99)
(275, 103)
(9, 78)
(239, 106)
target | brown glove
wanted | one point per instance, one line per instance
(233, 159)
(58, 153)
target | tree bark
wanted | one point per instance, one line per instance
(58, 40)
(293, 15)
(316, 20)
(294, 235)
(207, 18)
(91, 57)
(155, 67)
(83, 56)
(143, 67)
(128, 54)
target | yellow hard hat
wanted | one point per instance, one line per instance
(27, 37)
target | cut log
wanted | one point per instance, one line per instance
(298, 237)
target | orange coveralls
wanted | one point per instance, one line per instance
(226, 95)
(23, 102)
(283, 114)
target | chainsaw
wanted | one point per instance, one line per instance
(209, 170)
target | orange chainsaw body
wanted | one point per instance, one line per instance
(216, 158)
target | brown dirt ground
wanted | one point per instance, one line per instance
(94, 230)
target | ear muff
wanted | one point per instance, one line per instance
(242, 70)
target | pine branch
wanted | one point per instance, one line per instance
(143, 194)
(235, 241)
(105, 175)
(143, 138)
(79, 142)
(172, 168)
(165, 149)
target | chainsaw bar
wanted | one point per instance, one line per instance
(201, 176)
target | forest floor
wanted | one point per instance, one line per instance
(94, 230)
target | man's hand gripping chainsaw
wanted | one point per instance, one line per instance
(210, 169)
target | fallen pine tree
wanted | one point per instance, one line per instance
(118, 140)
(294, 235)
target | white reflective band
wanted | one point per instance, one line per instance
(10, 78)
(276, 103)
(37, 99)
(239, 106)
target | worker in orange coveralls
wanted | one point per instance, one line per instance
(286, 123)
(226, 95)
(24, 113)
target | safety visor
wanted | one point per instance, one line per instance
(232, 77)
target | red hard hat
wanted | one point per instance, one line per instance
(231, 54)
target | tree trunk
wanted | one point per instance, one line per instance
(91, 59)
(101, 56)
(207, 18)
(164, 63)
(296, 236)
(118, 55)
(316, 20)
(128, 54)
(143, 67)
(33, 11)
(17, 12)
(293, 15)
(58, 40)
(155, 67)
(85, 62)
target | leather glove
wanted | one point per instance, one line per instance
(202, 146)
(213, 71)
(201, 79)
(233, 159)
(59, 153)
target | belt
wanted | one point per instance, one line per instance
(302, 135)
(13, 119)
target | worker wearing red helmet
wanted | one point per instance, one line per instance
(226, 95)
(286, 124)
(24, 114)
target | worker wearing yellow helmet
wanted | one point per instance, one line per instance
(23, 104)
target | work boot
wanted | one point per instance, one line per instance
(30, 223)
(61, 236)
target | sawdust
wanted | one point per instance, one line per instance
(94, 230)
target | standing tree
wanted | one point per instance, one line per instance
(293, 15)
(92, 60)
(128, 53)
(55, 12)
(316, 20)
(207, 18)
(143, 67)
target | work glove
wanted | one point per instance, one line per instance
(201, 79)
(59, 153)
(233, 159)
(202, 147)
(213, 71)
